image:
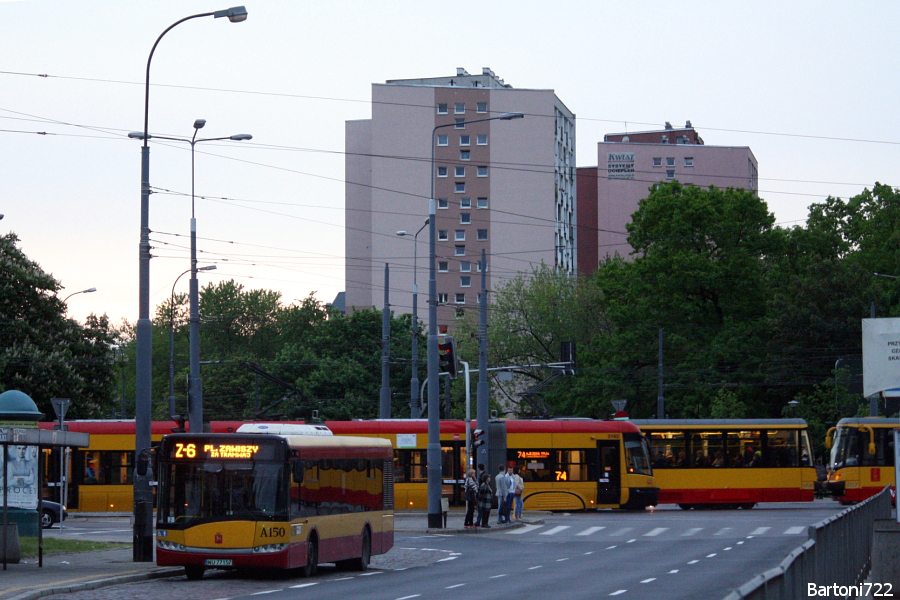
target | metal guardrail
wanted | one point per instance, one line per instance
(838, 551)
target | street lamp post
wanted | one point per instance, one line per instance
(433, 453)
(415, 407)
(87, 291)
(143, 496)
(195, 393)
(172, 414)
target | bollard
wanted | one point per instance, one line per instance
(11, 553)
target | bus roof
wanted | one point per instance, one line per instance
(876, 421)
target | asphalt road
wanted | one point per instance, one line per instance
(666, 553)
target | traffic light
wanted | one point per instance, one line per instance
(447, 357)
(477, 439)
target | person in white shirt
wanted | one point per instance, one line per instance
(502, 484)
(518, 487)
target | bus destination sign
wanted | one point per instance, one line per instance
(215, 450)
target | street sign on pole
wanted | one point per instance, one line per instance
(60, 407)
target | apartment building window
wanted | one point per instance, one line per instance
(459, 171)
(465, 140)
(465, 155)
(481, 139)
(460, 235)
(459, 108)
(442, 171)
(460, 250)
(443, 235)
(482, 235)
(442, 109)
(443, 266)
(465, 203)
(482, 171)
(670, 173)
(482, 203)
(460, 298)
(465, 218)
(443, 203)
(670, 161)
(460, 187)
(481, 107)
(478, 269)
(465, 281)
(657, 161)
(443, 140)
(460, 123)
(465, 266)
(689, 161)
(442, 298)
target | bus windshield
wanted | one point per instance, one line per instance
(637, 454)
(200, 491)
(845, 451)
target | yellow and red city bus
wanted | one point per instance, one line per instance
(272, 496)
(862, 458)
(565, 458)
(730, 463)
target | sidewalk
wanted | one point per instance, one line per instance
(79, 571)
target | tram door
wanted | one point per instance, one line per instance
(608, 481)
(453, 475)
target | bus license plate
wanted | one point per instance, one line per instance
(217, 562)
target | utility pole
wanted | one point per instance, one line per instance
(384, 411)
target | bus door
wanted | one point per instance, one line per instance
(453, 477)
(608, 482)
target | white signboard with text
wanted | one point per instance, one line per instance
(881, 355)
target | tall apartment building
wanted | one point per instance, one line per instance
(507, 187)
(630, 163)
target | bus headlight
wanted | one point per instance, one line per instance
(269, 548)
(167, 545)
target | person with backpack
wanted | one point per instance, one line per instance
(471, 492)
(485, 494)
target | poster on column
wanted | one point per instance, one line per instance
(881, 355)
(19, 476)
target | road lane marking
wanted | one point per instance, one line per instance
(450, 587)
(590, 530)
(673, 571)
(693, 562)
(266, 592)
(728, 548)
(556, 530)
(622, 531)
(616, 593)
(610, 547)
(409, 597)
(561, 559)
(710, 555)
(370, 573)
(655, 532)
(521, 530)
(448, 558)
(649, 580)
(723, 530)
(630, 541)
(497, 576)
(795, 530)
(692, 531)
(536, 567)
(760, 530)
(303, 585)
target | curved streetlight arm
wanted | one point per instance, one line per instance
(87, 291)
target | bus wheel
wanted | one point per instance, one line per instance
(312, 557)
(362, 563)
(194, 572)
(685, 506)
(748, 505)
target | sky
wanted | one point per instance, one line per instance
(811, 87)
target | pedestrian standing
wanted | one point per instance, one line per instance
(471, 499)
(519, 493)
(484, 499)
(502, 484)
(477, 483)
(510, 493)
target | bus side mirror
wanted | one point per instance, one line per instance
(828, 439)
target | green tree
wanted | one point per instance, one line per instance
(44, 354)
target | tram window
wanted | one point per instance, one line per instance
(571, 465)
(781, 448)
(887, 439)
(667, 449)
(699, 451)
(540, 465)
(636, 459)
(410, 466)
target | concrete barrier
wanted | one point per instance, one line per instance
(886, 553)
(10, 552)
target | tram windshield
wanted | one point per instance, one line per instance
(637, 454)
(845, 451)
(201, 491)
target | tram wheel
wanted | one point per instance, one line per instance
(748, 505)
(685, 506)
(194, 572)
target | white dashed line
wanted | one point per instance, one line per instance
(408, 597)
(692, 531)
(536, 567)
(590, 530)
(303, 585)
(521, 530)
(452, 587)
(555, 530)
(724, 530)
(266, 592)
(649, 580)
(497, 576)
(616, 593)
(760, 530)
(561, 559)
(693, 562)
(610, 547)
(795, 530)
(673, 571)
(710, 555)
(622, 531)
(728, 548)
(655, 532)
(630, 541)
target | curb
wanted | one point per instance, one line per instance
(98, 583)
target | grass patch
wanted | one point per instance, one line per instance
(29, 546)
